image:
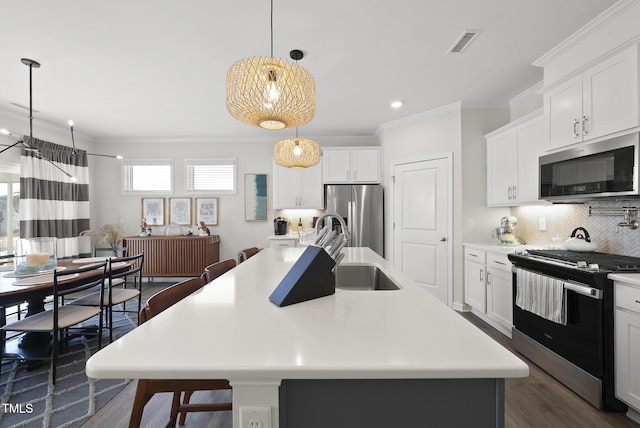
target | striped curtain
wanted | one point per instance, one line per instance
(51, 204)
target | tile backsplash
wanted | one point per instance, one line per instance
(562, 219)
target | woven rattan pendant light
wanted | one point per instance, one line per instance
(296, 152)
(269, 92)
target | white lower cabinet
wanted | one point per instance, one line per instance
(499, 292)
(627, 344)
(487, 287)
(475, 288)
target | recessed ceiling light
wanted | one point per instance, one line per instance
(396, 104)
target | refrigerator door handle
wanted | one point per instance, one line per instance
(353, 221)
(350, 219)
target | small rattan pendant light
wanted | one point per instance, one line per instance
(269, 92)
(296, 152)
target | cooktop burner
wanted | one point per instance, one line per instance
(612, 262)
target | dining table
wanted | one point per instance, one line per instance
(34, 290)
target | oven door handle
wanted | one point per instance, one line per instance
(594, 293)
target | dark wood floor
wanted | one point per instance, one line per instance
(541, 401)
(536, 401)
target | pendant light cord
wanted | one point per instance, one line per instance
(271, 28)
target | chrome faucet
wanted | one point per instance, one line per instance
(343, 226)
(629, 221)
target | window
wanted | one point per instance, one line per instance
(210, 175)
(147, 176)
(9, 211)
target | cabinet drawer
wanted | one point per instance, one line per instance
(279, 243)
(498, 261)
(477, 256)
(628, 297)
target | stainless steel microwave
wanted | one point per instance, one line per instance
(603, 169)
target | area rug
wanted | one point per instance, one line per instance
(29, 399)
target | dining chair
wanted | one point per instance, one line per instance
(148, 387)
(116, 291)
(214, 270)
(243, 255)
(61, 318)
(113, 250)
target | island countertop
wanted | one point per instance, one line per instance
(229, 329)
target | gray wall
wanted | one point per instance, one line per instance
(460, 131)
(109, 205)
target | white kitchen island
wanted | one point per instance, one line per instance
(355, 358)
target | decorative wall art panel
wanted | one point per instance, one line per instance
(255, 197)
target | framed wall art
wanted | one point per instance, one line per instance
(207, 211)
(180, 211)
(255, 197)
(153, 211)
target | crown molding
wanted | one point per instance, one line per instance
(519, 121)
(323, 141)
(420, 116)
(457, 106)
(532, 90)
(594, 25)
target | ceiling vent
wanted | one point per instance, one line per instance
(464, 41)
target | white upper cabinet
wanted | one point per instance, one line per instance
(297, 188)
(501, 169)
(601, 100)
(512, 162)
(351, 165)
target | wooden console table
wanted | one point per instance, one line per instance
(175, 255)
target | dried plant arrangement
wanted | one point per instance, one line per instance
(110, 234)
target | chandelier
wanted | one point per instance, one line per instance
(19, 141)
(269, 92)
(296, 152)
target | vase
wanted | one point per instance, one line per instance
(35, 256)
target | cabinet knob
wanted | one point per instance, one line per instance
(442, 239)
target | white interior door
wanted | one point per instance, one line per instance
(422, 220)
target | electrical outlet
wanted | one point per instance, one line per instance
(542, 224)
(255, 417)
(471, 222)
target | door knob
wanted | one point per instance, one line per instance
(443, 239)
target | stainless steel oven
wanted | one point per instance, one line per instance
(580, 339)
(579, 350)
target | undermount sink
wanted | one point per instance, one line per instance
(363, 277)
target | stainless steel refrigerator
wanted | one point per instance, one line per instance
(361, 207)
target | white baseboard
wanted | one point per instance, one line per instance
(633, 414)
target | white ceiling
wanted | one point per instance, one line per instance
(157, 68)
